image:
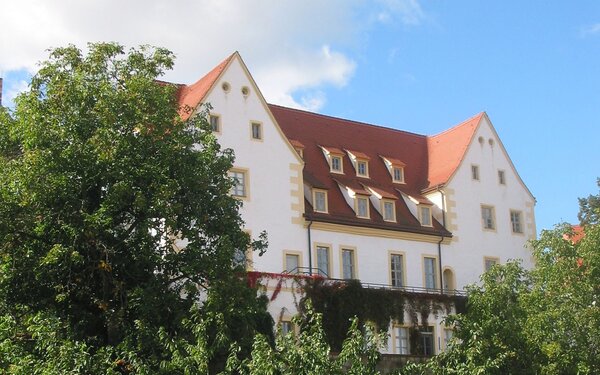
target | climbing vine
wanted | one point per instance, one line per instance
(340, 301)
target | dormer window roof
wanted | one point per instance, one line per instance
(335, 159)
(396, 169)
(360, 161)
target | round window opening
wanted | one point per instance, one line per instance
(226, 87)
(245, 91)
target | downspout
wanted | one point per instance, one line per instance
(310, 268)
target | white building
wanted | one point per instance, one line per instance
(348, 200)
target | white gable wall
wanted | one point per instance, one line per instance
(275, 199)
(464, 198)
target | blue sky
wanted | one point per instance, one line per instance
(533, 66)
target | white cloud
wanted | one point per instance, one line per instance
(591, 30)
(12, 90)
(283, 40)
(409, 12)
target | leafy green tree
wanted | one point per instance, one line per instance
(589, 208)
(99, 177)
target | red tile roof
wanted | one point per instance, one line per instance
(190, 96)
(447, 149)
(369, 141)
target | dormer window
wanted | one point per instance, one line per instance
(396, 169)
(362, 206)
(388, 210)
(425, 215)
(320, 201)
(362, 168)
(336, 164)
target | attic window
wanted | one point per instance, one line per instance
(320, 200)
(336, 164)
(362, 168)
(425, 215)
(245, 91)
(226, 86)
(362, 207)
(395, 168)
(388, 209)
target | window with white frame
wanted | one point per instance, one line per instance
(256, 130)
(397, 269)
(487, 217)
(430, 272)
(320, 200)
(398, 174)
(362, 168)
(425, 215)
(388, 210)
(336, 164)
(475, 172)
(239, 188)
(402, 341)
(516, 221)
(215, 123)
(323, 261)
(292, 263)
(362, 207)
(348, 271)
(501, 177)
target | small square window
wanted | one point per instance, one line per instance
(487, 217)
(398, 174)
(501, 178)
(239, 188)
(292, 263)
(215, 123)
(389, 211)
(475, 172)
(489, 263)
(362, 207)
(516, 222)
(256, 130)
(362, 168)
(320, 201)
(336, 164)
(425, 215)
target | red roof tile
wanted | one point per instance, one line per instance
(447, 149)
(191, 96)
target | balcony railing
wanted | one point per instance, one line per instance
(316, 272)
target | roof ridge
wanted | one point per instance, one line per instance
(340, 119)
(458, 125)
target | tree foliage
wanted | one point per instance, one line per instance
(589, 208)
(99, 177)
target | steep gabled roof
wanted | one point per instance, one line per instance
(447, 150)
(191, 96)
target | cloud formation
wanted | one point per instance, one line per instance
(288, 46)
(591, 30)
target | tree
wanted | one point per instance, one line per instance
(99, 177)
(589, 208)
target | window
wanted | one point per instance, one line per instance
(336, 164)
(501, 178)
(362, 207)
(397, 269)
(448, 334)
(320, 200)
(487, 217)
(398, 174)
(286, 327)
(402, 341)
(323, 261)
(389, 210)
(362, 168)
(292, 263)
(239, 188)
(430, 272)
(256, 130)
(426, 342)
(515, 221)
(215, 123)
(425, 215)
(348, 271)
(475, 172)
(489, 263)
(240, 259)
